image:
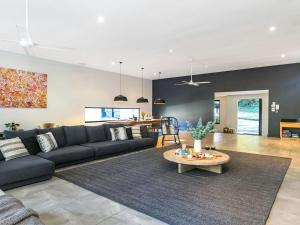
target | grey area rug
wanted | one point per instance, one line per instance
(145, 181)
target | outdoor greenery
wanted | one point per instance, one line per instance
(248, 116)
(248, 109)
(248, 105)
(200, 130)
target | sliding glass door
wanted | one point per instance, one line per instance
(249, 119)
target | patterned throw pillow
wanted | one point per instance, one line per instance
(136, 132)
(47, 142)
(13, 148)
(118, 134)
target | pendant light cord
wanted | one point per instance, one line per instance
(191, 69)
(120, 78)
(159, 75)
(142, 81)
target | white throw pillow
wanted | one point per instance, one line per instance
(136, 132)
(13, 148)
(47, 142)
(118, 134)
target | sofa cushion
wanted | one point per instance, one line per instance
(96, 133)
(28, 137)
(68, 154)
(136, 144)
(58, 133)
(108, 147)
(24, 168)
(21, 134)
(1, 156)
(144, 131)
(75, 135)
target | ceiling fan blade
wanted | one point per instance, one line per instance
(182, 84)
(57, 48)
(203, 82)
(9, 41)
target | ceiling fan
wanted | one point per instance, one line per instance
(191, 82)
(25, 40)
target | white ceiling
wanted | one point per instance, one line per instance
(220, 35)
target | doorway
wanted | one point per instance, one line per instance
(226, 112)
(249, 116)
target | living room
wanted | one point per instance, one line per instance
(149, 112)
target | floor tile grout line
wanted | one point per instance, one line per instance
(109, 217)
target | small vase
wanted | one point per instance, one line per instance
(197, 146)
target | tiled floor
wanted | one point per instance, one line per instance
(60, 202)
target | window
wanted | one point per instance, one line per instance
(217, 111)
(100, 114)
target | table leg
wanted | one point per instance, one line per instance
(184, 168)
(214, 169)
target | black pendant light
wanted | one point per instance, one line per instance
(142, 99)
(120, 97)
(159, 101)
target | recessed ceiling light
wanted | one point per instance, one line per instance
(154, 74)
(170, 50)
(101, 19)
(272, 28)
(113, 63)
(283, 56)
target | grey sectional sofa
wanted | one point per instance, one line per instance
(76, 144)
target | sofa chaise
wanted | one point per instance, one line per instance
(76, 144)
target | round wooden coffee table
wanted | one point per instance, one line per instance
(213, 164)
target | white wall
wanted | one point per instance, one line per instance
(229, 110)
(70, 89)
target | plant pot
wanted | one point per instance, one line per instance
(197, 146)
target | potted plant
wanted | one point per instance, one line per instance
(12, 126)
(200, 132)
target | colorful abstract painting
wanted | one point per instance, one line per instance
(22, 89)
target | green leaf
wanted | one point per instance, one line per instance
(200, 130)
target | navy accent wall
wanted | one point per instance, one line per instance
(189, 103)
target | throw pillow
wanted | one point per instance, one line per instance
(118, 134)
(13, 148)
(47, 142)
(129, 132)
(28, 137)
(136, 132)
